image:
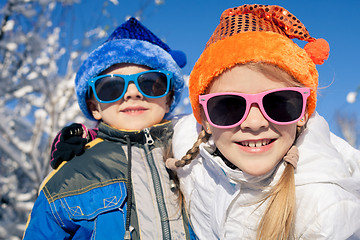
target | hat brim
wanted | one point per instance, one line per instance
(247, 47)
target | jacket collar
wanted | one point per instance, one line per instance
(159, 132)
(235, 176)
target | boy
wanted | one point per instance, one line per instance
(119, 188)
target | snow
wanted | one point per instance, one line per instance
(41, 113)
(115, 2)
(23, 91)
(351, 97)
(11, 46)
(9, 26)
(159, 2)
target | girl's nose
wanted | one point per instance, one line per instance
(132, 92)
(255, 120)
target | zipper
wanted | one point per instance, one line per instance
(165, 226)
(148, 139)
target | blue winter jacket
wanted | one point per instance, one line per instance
(87, 198)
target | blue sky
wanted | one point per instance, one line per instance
(187, 25)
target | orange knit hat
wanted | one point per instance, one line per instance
(258, 33)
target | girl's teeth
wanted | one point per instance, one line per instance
(256, 143)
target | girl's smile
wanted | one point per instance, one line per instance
(256, 146)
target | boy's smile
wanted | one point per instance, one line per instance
(133, 111)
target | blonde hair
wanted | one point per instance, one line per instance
(274, 72)
(194, 150)
(278, 219)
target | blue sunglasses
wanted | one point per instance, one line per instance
(112, 87)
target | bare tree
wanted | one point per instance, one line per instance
(39, 55)
(348, 126)
(348, 123)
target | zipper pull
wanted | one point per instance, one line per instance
(148, 139)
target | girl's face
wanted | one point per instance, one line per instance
(255, 146)
(133, 111)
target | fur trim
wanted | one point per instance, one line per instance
(246, 47)
(126, 51)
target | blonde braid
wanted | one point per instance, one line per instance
(194, 151)
(278, 219)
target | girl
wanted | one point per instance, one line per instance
(267, 167)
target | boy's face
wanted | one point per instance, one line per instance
(133, 111)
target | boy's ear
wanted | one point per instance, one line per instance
(168, 103)
(169, 100)
(303, 120)
(93, 107)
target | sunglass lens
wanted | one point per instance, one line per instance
(226, 110)
(109, 88)
(153, 83)
(283, 106)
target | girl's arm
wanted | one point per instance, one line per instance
(70, 141)
(350, 155)
(328, 212)
(186, 131)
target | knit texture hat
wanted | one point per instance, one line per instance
(131, 42)
(258, 33)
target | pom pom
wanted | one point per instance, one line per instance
(318, 50)
(179, 57)
(171, 163)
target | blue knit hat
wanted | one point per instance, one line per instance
(131, 42)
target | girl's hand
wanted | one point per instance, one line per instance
(70, 141)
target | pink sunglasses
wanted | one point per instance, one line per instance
(280, 106)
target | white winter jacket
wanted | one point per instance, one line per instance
(224, 203)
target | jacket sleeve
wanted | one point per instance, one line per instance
(338, 219)
(350, 155)
(43, 222)
(186, 131)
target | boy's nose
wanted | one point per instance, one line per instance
(255, 120)
(132, 92)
